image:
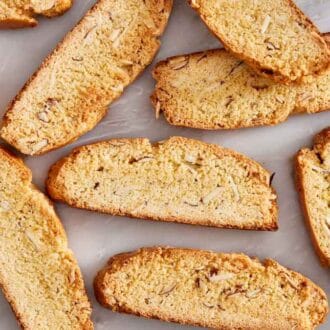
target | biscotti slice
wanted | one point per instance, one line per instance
(215, 90)
(180, 179)
(313, 181)
(273, 37)
(39, 275)
(71, 91)
(21, 13)
(213, 290)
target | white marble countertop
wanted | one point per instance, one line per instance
(93, 237)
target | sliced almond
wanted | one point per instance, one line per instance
(122, 73)
(178, 62)
(144, 159)
(326, 226)
(149, 23)
(190, 159)
(234, 188)
(43, 116)
(221, 277)
(213, 194)
(203, 287)
(189, 168)
(126, 62)
(208, 305)
(5, 206)
(115, 34)
(88, 33)
(77, 59)
(37, 146)
(168, 289)
(157, 109)
(279, 99)
(265, 24)
(289, 280)
(72, 276)
(253, 293)
(32, 238)
(192, 204)
(305, 97)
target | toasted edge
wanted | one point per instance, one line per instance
(124, 258)
(26, 176)
(320, 140)
(256, 65)
(168, 4)
(58, 195)
(23, 21)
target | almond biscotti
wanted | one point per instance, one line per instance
(39, 275)
(213, 290)
(181, 180)
(215, 90)
(313, 181)
(273, 37)
(21, 13)
(72, 89)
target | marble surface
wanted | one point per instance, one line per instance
(93, 237)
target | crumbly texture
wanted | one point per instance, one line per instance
(313, 181)
(21, 13)
(179, 180)
(39, 275)
(71, 91)
(215, 90)
(273, 37)
(213, 290)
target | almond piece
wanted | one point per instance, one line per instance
(43, 116)
(37, 146)
(221, 277)
(4, 205)
(168, 289)
(213, 194)
(265, 24)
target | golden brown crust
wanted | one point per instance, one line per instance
(184, 82)
(106, 281)
(267, 71)
(54, 240)
(320, 141)
(90, 117)
(20, 15)
(58, 190)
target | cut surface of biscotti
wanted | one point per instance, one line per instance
(71, 91)
(215, 90)
(213, 290)
(274, 37)
(21, 13)
(180, 179)
(39, 274)
(313, 181)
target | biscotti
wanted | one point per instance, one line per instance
(215, 90)
(213, 290)
(273, 37)
(313, 181)
(71, 91)
(180, 179)
(21, 13)
(39, 275)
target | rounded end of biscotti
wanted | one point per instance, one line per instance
(51, 8)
